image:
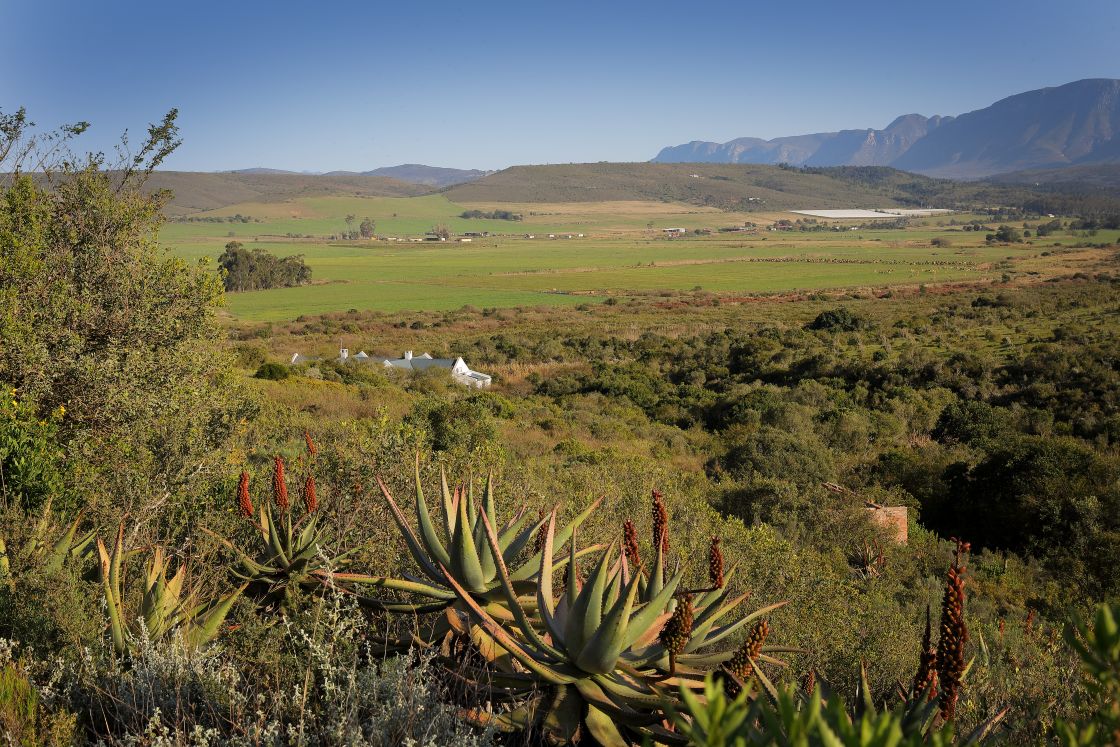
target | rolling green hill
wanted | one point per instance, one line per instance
(196, 192)
(744, 187)
(728, 186)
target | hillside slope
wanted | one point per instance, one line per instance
(432, 176)
(194, 191)
(729, 186)
(1096, 178)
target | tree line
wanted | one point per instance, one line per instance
(244, 269)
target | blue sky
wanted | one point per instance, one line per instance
(356, 85)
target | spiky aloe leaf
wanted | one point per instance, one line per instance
(527, 629)
(709, 616)
(505, 639)
(603, 729)
(414, 546)
(395, 584)
(656, 607)
(450, 510)
(465, 561)
(157, 604)
(276, 536)
(601, 652)
(488, 501)
(628, 689)
(66, 545)
(532, 566)
(110, 583)
(497, 658)
(514, 539)
(252, 568)
(207, 629)
(432, 543)
(587, 609)
(766, 683)
(5, 567)
(546, 603)
(620, 709)
(727, 630)
(561, 718)
(520, 719)
(308, 538)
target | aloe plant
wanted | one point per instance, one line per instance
(595, 655)
(294, 550)
(166, 611)
(458, 551)
(48, 548)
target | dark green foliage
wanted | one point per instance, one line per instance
(1038, 495)
(775, 453)
(492, 214)
(837, 320)
(366, 228)
(1005, 235)
(972, 422)
(244, 270)
(273, 371)
(463, 426)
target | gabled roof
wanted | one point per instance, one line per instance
(421, 362)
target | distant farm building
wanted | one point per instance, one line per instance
(674, 231)
(460, 371)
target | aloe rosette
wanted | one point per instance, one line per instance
(592, 656)
(166, 612)
(458, 554)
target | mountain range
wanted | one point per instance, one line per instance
(1071, 125)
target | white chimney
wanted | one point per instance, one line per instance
(408, 355)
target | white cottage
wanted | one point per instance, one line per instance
(460, 371)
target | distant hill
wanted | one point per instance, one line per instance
(414, 173)
(1077, 123)
(726, 186)
(1096, 178)
(432, 176)
(758, 187)
(195, 191)
(259, 170)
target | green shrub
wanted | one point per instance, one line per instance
(30, 456)
(837, 320)
(272, 372)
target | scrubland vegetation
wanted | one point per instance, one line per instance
(654, 527)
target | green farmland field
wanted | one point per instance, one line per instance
(621, 254)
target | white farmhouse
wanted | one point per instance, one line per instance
(460, 371)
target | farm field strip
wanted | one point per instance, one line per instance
(620, 255)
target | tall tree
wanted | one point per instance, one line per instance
(97, 319)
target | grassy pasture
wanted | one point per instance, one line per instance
(619, 256)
